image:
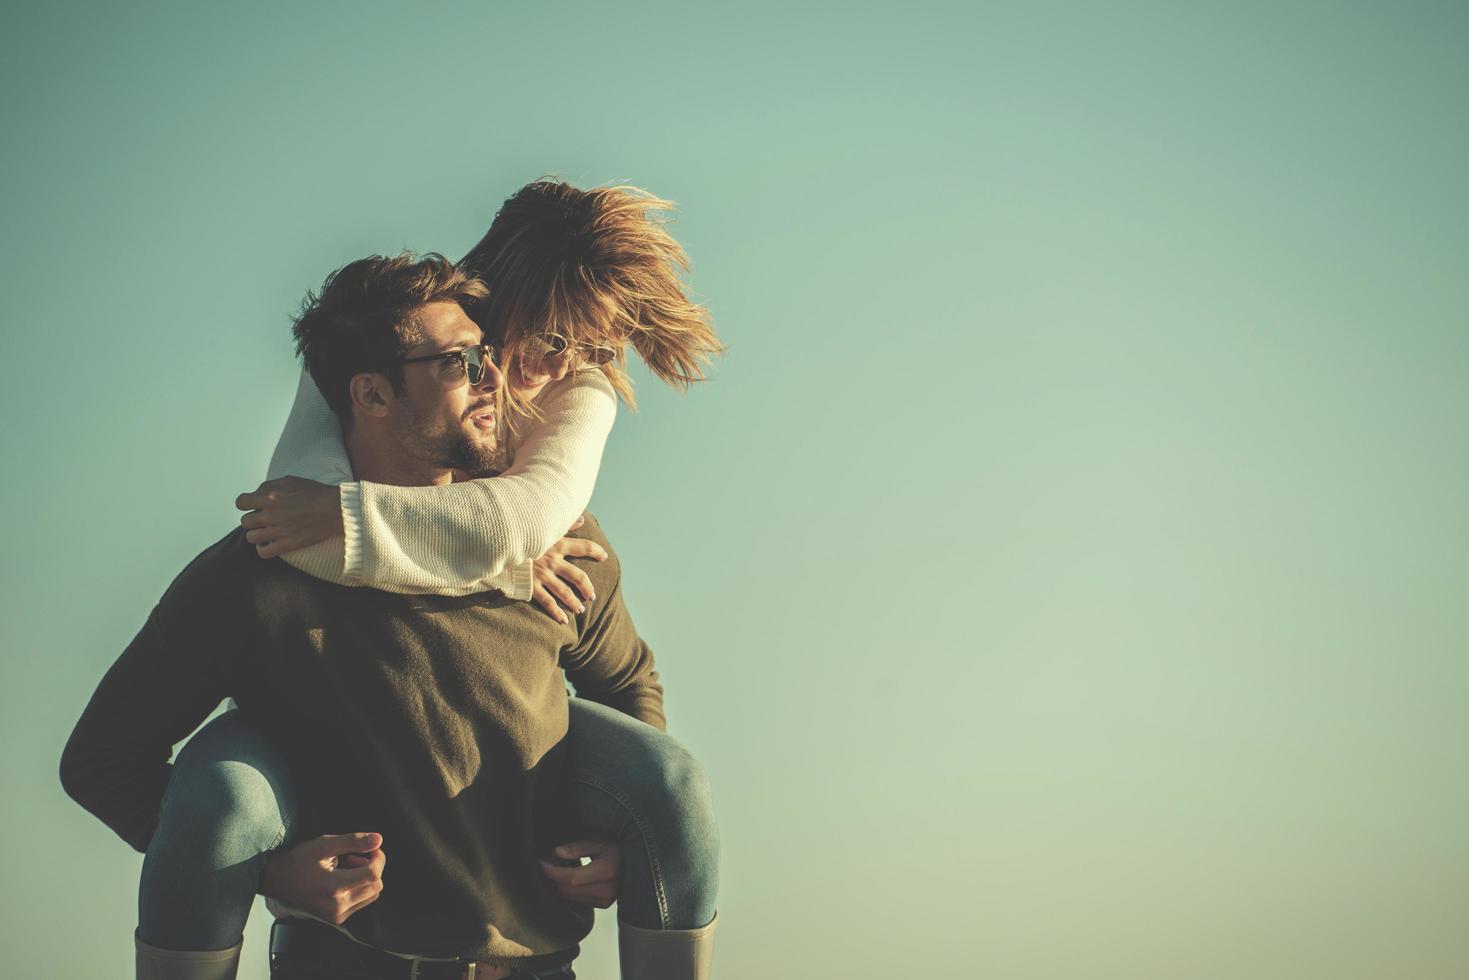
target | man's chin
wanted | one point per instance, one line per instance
(473, 456)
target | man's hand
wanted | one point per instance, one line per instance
(556, 578)
(330, 877)
(590, 884)
(290, 513)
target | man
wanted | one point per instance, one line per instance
(436, 722)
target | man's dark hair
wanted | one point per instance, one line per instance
(361, 321)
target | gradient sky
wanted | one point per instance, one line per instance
(1062, 576)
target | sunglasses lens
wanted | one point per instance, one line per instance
(474, 364)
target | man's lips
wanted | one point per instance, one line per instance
(483, 416)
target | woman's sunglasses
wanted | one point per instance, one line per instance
(553, 345)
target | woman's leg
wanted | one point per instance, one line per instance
(640, 787)
(228, 803)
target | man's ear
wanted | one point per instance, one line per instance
(372, 394)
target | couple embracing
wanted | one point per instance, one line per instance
(402, 772)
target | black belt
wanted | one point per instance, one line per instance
(301, 942)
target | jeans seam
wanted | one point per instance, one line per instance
(645, 830)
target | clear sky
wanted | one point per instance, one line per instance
(1062, 576)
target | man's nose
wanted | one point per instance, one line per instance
(492, 378)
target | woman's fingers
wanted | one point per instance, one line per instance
(250, 501)
(555, 585)
(578, 580)
(276, 547)
(542, 598)
(270, 542)
(559, 581)
(580, 548)
(294, 512)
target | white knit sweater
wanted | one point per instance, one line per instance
(462, 537)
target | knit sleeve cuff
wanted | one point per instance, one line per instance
(354, 550)
(517, 581)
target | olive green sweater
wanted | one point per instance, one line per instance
(436, 721)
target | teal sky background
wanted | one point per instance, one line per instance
(1063, 574)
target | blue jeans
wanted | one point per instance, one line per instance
(229, 803)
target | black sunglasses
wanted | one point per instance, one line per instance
(472, 361)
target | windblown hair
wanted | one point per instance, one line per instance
(595, 266)
(362, 320)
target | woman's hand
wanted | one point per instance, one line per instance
(556, 578)
(290, 513)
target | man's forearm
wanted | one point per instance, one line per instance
(642, 699)
(116, 786)
(633, 688)
(116, 762)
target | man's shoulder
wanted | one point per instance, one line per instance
(220, 568)
(230, 553)
(205, 598)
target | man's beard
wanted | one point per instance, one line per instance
(472, 457)
(451, 450)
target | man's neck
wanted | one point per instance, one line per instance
(372, 460)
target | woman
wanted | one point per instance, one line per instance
(576, 277)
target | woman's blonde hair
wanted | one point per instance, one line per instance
(597, 267)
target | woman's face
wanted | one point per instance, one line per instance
(551, 358)
(529, 374)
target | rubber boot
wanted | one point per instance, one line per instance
(175, 964)
(666, 954)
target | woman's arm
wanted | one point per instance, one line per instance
(455, 539)
(311, 448)
(311, 445)
(486, 533)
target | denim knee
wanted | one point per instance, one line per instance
(232, 802)
(641, 786)
(226, 793)
(669, 776)
(648, 771)
(228, 803)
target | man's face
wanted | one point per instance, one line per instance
(440, 419)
